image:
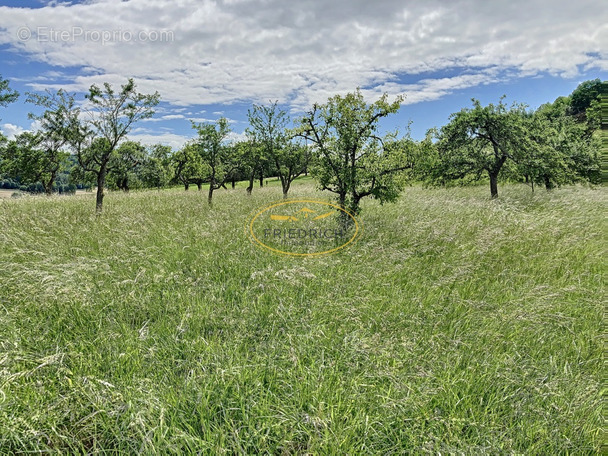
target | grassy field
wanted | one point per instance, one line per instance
(455, 325)
(5, 193)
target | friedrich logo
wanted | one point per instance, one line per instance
(303, 228)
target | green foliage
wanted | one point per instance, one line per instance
(157, 169)
(585, 94)
(88, 153)
(350, 159)
(561, 151)
(40, 157)
(112, 115)
(480, 140)
(7, 95)
(219, 159)
(124, 166)
(132, 166)
(585, 105)
(253, 159)
(565, 146)
(33, 158)
(602, 138)
(268, 129)
(188, 166)
(549, 146)
(557, 144)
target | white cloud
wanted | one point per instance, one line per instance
(218, 52)
(164, 117)
(234, 137)
(171, 139)
(10, 130)
(168, 139)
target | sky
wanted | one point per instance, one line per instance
(210, 59)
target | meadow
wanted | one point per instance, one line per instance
(455, 325)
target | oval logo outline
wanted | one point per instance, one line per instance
(358, 228)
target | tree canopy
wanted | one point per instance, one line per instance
(111, 117)
(351, 159)
(268, 129)
(340, 142)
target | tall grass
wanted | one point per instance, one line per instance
(456, 324)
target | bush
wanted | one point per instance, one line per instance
(9, 184)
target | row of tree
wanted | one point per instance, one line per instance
(559, 143)
(338, 142)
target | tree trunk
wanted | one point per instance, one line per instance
(548, 184)
(199, 185)
(124, 184)
(261, 180)
(186, 186)
(344, 220)
(48, 189)
(251, 179)
(342, 200)
(354, 207)
(284, 184)
(495, 169)
(493, 184)
(101, 182)
(233, 184)
(210, 195)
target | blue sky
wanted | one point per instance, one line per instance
(215, 58)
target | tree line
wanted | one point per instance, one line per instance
(339, 143)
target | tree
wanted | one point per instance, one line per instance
(350, 158)
(252, 159)
(563, 147)
(125, 166)
(112, 115)
(269, 130)
(602, 176)
(481, 140)
(291, 162)
(7, 95)
(156, 170)
(583, 96)
(30, 158)
(54, 129)
(584, 105)
(237, 154)
(40, 156)
(561, 151)
(220, 159)
(188, 166)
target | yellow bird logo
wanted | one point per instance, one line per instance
(306, 211)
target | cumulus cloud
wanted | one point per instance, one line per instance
(225, 51)
(170, 139)
(167, 139)
(10, 131)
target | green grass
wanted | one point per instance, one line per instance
(455, 325)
